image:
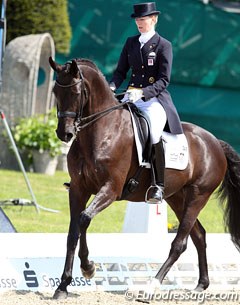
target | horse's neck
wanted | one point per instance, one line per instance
(100, 95)
(100, 99)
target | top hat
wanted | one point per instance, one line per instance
(144, 9)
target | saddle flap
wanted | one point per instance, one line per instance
(141, 124)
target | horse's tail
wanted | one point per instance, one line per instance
(229, 193)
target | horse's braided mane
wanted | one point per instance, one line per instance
(87, 62)
(91, 64)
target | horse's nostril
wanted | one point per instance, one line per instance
(69, 136)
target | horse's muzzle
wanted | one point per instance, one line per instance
(65, 134)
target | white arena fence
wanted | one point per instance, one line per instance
(32, 261)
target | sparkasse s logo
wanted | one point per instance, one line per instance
(30, 276)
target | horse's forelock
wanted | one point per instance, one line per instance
(67, 67)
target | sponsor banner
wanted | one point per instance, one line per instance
(36, 274)
(43, 274)
(122, 261)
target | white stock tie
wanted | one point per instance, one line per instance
(144, 37)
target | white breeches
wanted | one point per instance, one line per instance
(157, 115)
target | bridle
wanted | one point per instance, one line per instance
(81, 122)
(73, 114)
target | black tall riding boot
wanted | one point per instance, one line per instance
(155, 192)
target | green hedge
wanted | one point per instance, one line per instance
(40, 16)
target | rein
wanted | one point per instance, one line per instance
(81, 122)
(95, 116)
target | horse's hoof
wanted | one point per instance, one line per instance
(200, 288)
(60, 295)
(90, 272)
(149, 291)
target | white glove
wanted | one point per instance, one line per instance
(134, 94)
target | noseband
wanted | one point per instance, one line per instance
(72, 114)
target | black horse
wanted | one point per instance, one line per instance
(103, 158)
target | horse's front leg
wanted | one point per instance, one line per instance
(72, 240)
(103, 199)
(77, 205)
(87, 267)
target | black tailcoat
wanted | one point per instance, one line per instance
(151, 70)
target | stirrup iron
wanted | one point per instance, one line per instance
(156, 196)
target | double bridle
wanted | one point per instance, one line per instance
(73, 114)
(81, 122)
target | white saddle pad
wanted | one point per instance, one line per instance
(176, 150)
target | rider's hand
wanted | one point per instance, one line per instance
(134, 94)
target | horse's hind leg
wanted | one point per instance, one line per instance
(187, 215)
(198, 236)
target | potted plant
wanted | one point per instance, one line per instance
(36, 137)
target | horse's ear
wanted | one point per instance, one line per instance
(56, 67)
(74, 68)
